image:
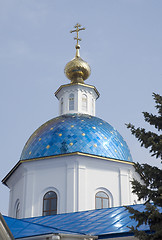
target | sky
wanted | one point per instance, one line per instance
(122, 43)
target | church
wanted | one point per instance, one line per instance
(74, 175)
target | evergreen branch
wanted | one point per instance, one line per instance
(158, 101)
(148, 140)
(150, 186)
(152, 217)
(153, 120)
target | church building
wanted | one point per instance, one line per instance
(73, 166)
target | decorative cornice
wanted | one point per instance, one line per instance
(78, 84)
(61, 155)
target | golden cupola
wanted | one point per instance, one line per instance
(77, 70)
(77, 97)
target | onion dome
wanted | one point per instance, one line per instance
(77, 70)
(73, 133)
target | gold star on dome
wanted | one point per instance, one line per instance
(60, 134)
(71, 144)
(95, 145)
(48, 146)
(105, 137)
(94, 127)
(29, 153)
(83, 134)
(51, 128)
(72, 126)
(40, 139)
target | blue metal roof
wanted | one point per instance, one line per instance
(103, 223)
(76, 133)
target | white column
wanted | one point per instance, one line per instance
(124, 187)
(71, 187)
(11, 204)
(82, 188)
(28, 203)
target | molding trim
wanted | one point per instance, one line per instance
(61, 155)
(78, 84)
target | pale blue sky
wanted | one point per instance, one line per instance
(122, 43)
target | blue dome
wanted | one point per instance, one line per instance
(76, 133)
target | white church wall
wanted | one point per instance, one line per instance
(17, 185)
(76, 179)
(103, 175)
(50, 176)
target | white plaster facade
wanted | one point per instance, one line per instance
(75, 179)
(84, 99)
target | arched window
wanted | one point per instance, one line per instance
(102, 200)
(71, 101)
(17, 209)
(62, 104)
(84, 102)
(50, 203)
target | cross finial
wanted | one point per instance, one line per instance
(77, 26)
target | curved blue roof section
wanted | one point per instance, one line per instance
(76, 133)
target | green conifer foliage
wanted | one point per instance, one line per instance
(151, 188)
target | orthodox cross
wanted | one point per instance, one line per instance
(77, 26)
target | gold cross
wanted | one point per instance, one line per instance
(77, 26)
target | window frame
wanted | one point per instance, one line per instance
(84, 102)
(51, 210)
(102, 198)
(71, 101)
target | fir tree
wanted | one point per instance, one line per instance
(151, 189)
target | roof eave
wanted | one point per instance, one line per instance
(80, 84)
(4, 181)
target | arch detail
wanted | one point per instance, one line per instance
(41, 199)
(17, 209)
(50, 203)
(103, 198)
